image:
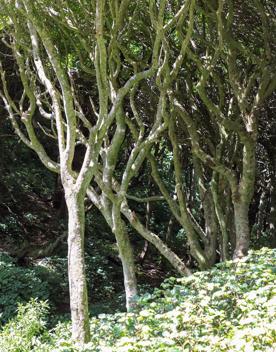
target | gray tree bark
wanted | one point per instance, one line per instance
(126, 256)
(242, 230)
(112, 215)
(76, 268)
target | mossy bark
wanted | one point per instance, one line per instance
(242, 199)
(127, 258)
(76, 269)
(242, 230)
(112, 215)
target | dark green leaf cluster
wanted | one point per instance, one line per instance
(18, 285)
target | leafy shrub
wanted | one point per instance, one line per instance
(5, 258)
(48, 280)
(21, 333)
(53, 270)
(18, 285)
(100, 278)
(230, 308)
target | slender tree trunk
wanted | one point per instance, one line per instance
(181, 214)
(76, 268)
(230, 222)
(211, 228)
(209, 238)
(243, 198)
(127, 258)
(272, 215)
(112, 215)
(170, 229)
(143, 253)
(242, 229)
(260, 217)
(223, 238)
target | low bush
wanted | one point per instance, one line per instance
(230, 308)
(18, 285)
(24, 333)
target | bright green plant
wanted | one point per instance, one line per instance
(21, 334)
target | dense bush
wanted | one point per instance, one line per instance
(21, 334)
(47, 279)
(18, 285)
(229, 308)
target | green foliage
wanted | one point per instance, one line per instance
(100, 278)
(24, 172)
(10, 225)
(21, 333)
(18, 285)
(26, 188)
(136, 50)
(262, 239)
(53, 270)
(229, 308)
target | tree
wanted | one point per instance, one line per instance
(220, 79)
(49, 93)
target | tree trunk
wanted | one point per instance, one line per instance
(219, 204)
(211, 228)
(230, 222)
(259, 226)
(112, 215)
(143, 253)
(272, 215)
(242, 230)
(242, 198)
(170, 229)
(127, 258)
(76, 268)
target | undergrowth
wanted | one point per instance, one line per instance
(232, 307)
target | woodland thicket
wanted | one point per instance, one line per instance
(142, 134)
